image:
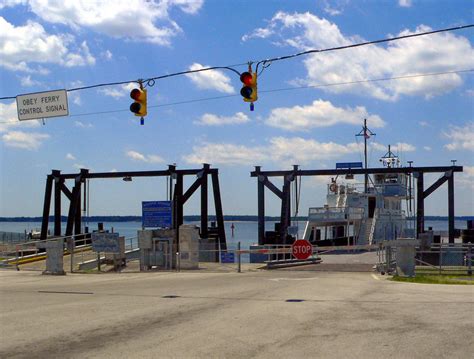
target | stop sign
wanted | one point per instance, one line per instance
(301, 249)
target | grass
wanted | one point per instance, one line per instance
(436, 279)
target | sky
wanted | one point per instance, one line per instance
(307, 112)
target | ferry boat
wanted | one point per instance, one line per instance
(365, 213)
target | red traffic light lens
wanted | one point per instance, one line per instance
(246, 78)
(135, 107)
(135, 94)
(246, 92)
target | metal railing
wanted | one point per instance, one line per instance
(452, 258)
(12, 237)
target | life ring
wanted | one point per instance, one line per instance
(333, 187)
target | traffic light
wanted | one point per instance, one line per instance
(249, 89)
(139, 106)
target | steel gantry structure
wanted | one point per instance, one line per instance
(290, 175)
(180, 197)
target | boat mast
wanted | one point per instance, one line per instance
(366, 133)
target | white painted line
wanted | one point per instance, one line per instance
(375, 277)
(292, 279)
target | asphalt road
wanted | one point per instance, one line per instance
(232, 315)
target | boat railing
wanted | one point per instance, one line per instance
(349, 213)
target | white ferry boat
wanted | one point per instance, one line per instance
(362, 213)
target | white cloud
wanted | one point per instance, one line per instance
(333, 10)
(11, 3)
(423, 123)
(107, 55)
(462, 138)
(84, 57)
(226, 154)
(295, 150)
(26, 81)
(466, 178)
(399, 147)
(319, 114)
(404, 3)
(210, 80)
(79, 166)
(213, 120)
(30, 43)
(119, 91)
(427, 148)
(24, 140)
(83, 125)
(70, 156)
(137, 156)
(9, 118)
(128, 19)
(426, 54)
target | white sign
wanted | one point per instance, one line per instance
(42, 105)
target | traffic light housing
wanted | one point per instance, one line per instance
(139, 106)
(249, 89)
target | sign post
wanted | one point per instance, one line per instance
(301, 249)
(40, 105)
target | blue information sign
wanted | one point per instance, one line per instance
(227, 257)
(156, 214)
(105, 242)
(344, 165)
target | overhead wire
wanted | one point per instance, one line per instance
(273, 90)
(266, 62)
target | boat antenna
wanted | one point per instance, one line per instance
(390, 159)
(366, 133)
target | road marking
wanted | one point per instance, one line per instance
(280, 279)
(62, 292)
(375, 277)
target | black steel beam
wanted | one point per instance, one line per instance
(219, 213)
(420, 204)
(57, 202)
(284, 217)
(66, 190)
(261, 212)
(437, 184)
(266, 182)
(451, 208)
(178, 207)
(191, 190)
(76, 192)
(357, 171)
(162, 173)
(204, 202)
(46, 206)
(78, 215)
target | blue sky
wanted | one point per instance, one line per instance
(49, 45)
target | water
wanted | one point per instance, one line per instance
(244, 232)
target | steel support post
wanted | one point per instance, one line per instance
(285, 203)
(178, 206)
(78, 215)
(72, 210)
(46, 207)
(57, 202)
(204, 202)
(451, 207)
(261, 210)
(219, 213)
(420, 204)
